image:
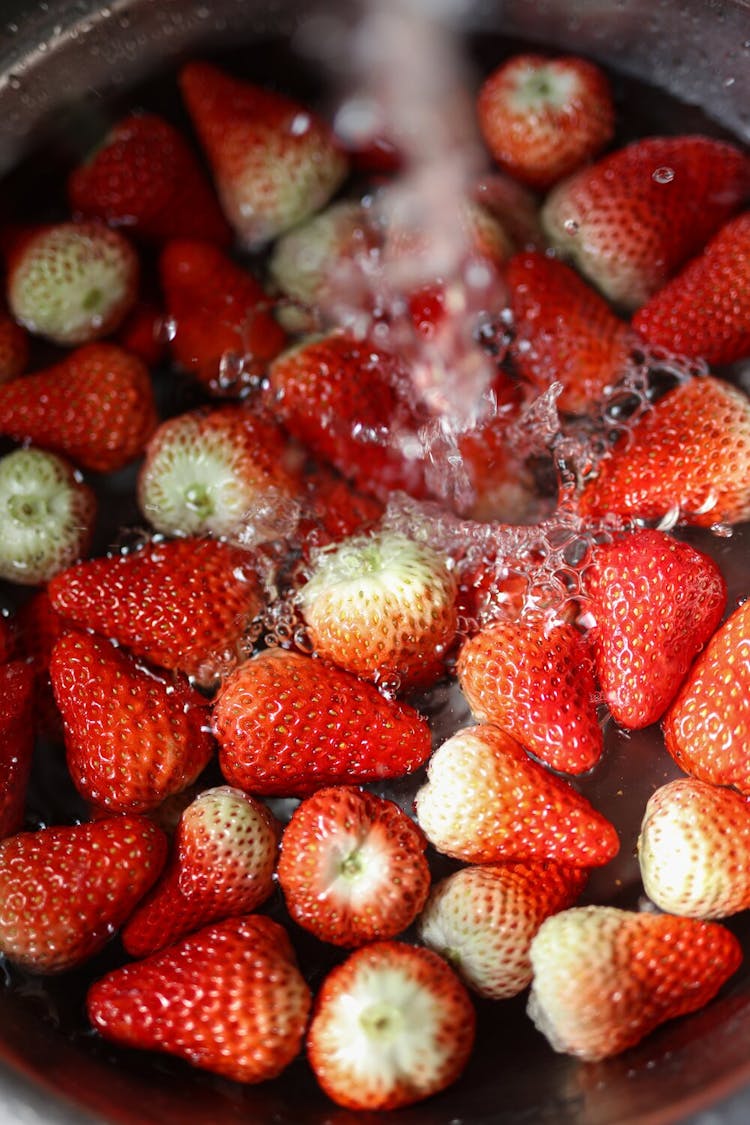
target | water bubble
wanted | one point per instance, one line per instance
(663, 175)
(571, 226)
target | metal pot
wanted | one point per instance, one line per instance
(59, 55)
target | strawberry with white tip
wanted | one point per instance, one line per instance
(604, 978)
(72, 282)
(352, 867)
(382, 606)
(482, 919)
(47, 515)
(693, 848)
(392, 1025)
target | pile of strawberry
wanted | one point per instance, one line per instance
(264, 647)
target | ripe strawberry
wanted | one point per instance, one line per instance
(707, 728)
(222, 865)
(655, 602)
(335, 394)
(144, 177)
(391, 1025)
(72, 282)
(542, 118)
(229, 999)
(132, 738)
(96, 406)
(143, 332)
(47, 514)
(83, 882)
(8, 638)
(182, 604)
(537, 683)
(486, 801)
(288, 724)
(705, 310)
(274, 162)
(39, 627)
(222, 324)
(332, 510)
(16, 742)
(565, 332)
(688, 456)
(219, 472)
(14, 348)
(605, 978)
(482, 920)
(382, 606)
(352, 867)
(692, 849)
(631, 220)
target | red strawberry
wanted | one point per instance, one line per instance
(83, 882)
(14, 348)
(219, 472)
(486, 800)
(8, 638)
(707, 728)
(289, 724)
(47, 516)
(536, 682)
(229, 999)
(605, 978)
(183, 604)
(144, 177)
(222, 864)
(72, 282)
(692, 849)
(223, 329)
(689, 457)
(565, 332)
(352, 867)
(96, 406)
(382, 606)
(132, 738)
(655, 603)
(705, 310)
(482, 919)
(274, 162)
(542, 118)
(332, 510)
(392, 1025)
(144, 332)
(39, 627)
(16, 742)
(335, 394)
(630, 221)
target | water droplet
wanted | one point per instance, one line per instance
(729, 81)
(663, 175)
(571, 227)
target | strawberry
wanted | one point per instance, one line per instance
(692, 849)
(382, 606)
(336, 395)
(486, 801)
(222, 324)
(83, 882)
(96, 406)
(222, 864)
(707, 728)
(229, 999)
(47, 514)
(631, 220)
(288, 724)
(655, 603)
(705, 310)
(219, 472)
(689, 457)
(352, 867)
(391, 1025)
(16, 742)
(274, 162)
(514, 206)
(565, 332)
(183, 605)
(332, 510)
(144, 177)
(39, 627)
(536, 682)
(8, 638)
(14, 348)
(143, 332)
(542, 118)
(482, 920)
(132, 738)
(605, 978)
(72, 282)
